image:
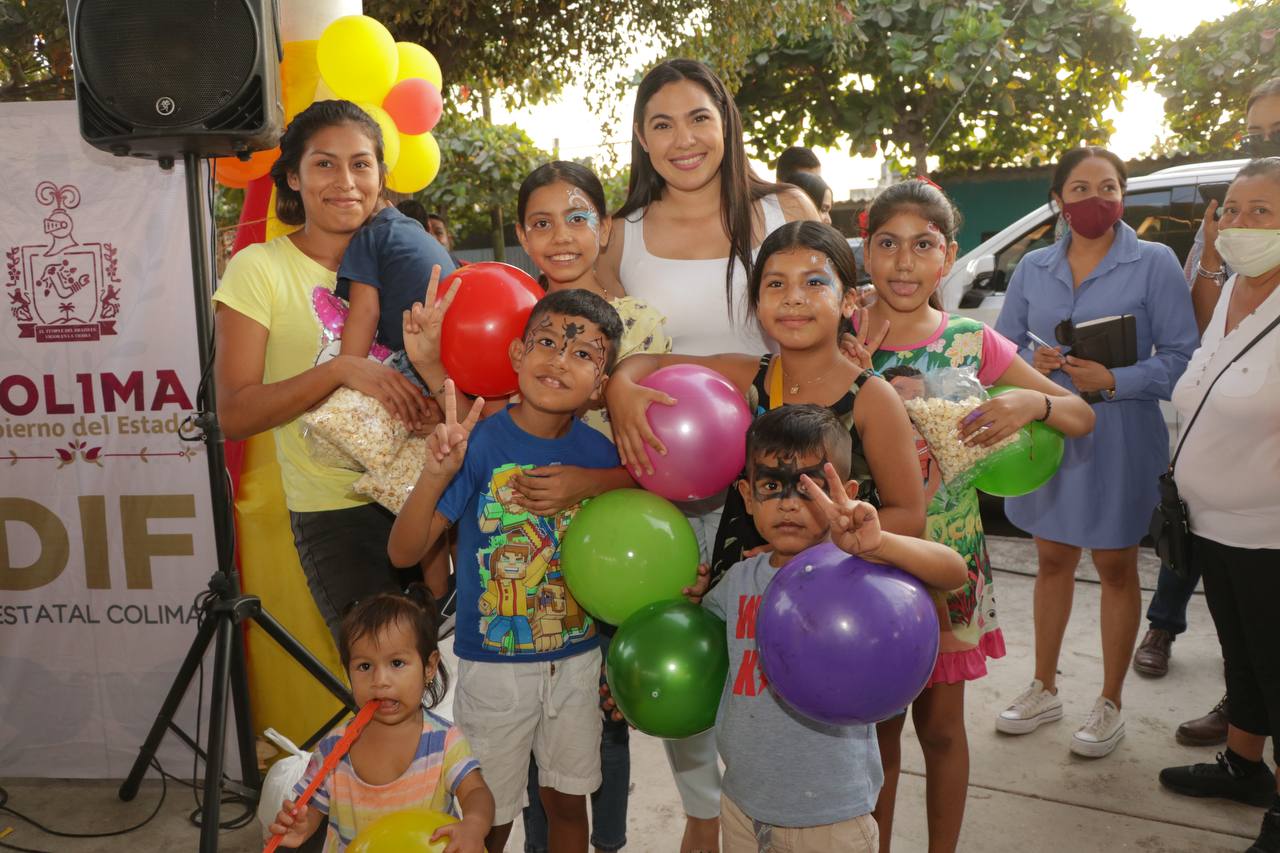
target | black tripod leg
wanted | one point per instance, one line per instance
(129, 788)
(217, 737)
(244, 717)
(308, 661)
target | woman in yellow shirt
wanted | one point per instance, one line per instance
(273, 348)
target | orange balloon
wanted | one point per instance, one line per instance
(236, 173)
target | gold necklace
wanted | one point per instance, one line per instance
(794, 388)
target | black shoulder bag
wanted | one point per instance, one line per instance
(1170, 526)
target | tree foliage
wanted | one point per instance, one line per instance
(1206, 76)
(35, 51)
(527, 50)
(974, 83)
(481, 167)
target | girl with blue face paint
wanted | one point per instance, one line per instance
(563, 222)
(801, 291)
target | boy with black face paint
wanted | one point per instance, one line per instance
(790, 781)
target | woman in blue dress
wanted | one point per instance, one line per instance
(1102, 496)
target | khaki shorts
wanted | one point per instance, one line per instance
(551, 708)
(739, 835)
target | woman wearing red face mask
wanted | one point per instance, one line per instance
(1102, 496)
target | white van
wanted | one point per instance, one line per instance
(1163, 207)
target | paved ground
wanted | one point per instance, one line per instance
(1026, 794)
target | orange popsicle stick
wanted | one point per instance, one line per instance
(340, 749)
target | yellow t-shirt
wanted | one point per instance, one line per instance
(643, 331)
(272, 283)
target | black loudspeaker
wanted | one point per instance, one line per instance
(161, 78)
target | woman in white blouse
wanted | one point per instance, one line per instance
(1228, 473)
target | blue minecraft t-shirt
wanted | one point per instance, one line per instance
(513, 603)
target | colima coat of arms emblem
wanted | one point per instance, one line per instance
(63, 290)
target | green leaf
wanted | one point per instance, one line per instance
(1046, 81)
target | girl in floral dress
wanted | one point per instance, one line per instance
(910, 247)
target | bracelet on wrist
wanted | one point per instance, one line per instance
(1048, 408)
(1217, 276)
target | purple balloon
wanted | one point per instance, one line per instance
(705, 433)
(846, 641)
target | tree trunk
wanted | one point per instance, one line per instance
(496, 229)
(920, 151)
(495, 212)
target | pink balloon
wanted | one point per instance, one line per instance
(414, 105)
(705, 433)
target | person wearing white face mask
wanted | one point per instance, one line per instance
(1205, 271)
(1228, 473)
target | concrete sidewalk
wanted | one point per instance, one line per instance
(1026, 793)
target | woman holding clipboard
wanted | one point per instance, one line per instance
(1102, 496)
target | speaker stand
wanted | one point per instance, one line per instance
(227, 607)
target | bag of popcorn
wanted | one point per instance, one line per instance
(391, 486)
(358, 426)
(950, 395)
(325, 452)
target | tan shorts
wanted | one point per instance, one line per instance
(550, 708)
(738, 835)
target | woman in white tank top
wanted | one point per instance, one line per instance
(694, 217)
(695, 212)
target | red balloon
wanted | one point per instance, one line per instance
(414, 105)
(490, 310)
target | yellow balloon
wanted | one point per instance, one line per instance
(408, 831)
(417, 61)
(324, 93)
(358, 58)
(390, 136)
(298, 77)
(419, 163)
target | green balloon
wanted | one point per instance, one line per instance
(1014, 474)
(625, 549)
(666, 668)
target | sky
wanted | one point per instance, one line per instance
(1138, 122)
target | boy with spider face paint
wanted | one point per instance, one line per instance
(530, 664)
(791, 783)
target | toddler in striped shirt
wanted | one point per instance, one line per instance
(407, 757)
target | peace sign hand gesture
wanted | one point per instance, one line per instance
(855, 525)
(422, 323)
(861, 347)
(447, 446)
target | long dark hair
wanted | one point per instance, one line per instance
(740, 188)
(805, 234)
(811, 185)
(293, 144)
(919, 196)
(574, 174)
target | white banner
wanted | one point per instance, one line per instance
(105, 531)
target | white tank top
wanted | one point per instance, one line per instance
(691, 293)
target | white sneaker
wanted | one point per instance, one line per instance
(1101, 732)
(1034, 707)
